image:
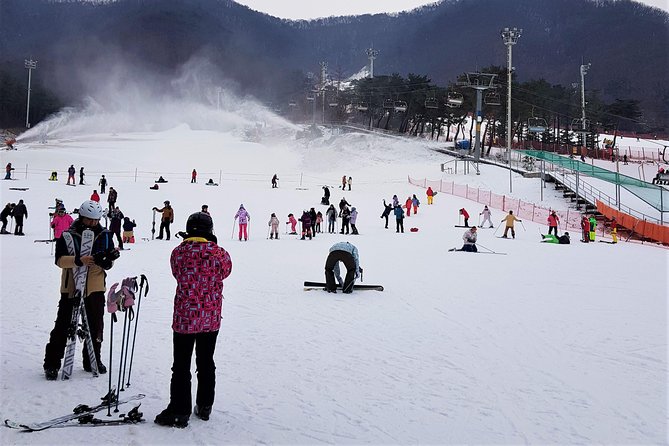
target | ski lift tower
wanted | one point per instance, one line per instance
(371, 54)
(324, 76)
(479, 82)
(30, 66)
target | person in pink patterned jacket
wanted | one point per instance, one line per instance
(199, 266)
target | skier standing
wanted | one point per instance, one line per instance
(415, 203)
(319, 220)
(273, 223)
(166, 220)
(313, 216)
(331, 215)
(103, 184)
(199, 266)
(553, 222)
(305, 219)
(343, 182)
(354, 217)
(399, 218)
(61, 222)
(593, 226)
(407, 205)
(293, 224)
(614, 229)
(244, 218)
(112, 197)
(430, 195)
(193, 176)
(275, 178)
(101, 259)
(70, 174)
(8, 171)
(585, 228)
(116, 222)
(81, 175)
(510, 219)
(396, 201)
(487, 215)
(345, 220)
(349, 182)
(20, 211)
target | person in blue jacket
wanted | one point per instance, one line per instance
(346, 253)
(399, 218)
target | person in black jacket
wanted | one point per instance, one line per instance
(116, 222)
(68, 257)
(4, 215)
(20, 211)
(387, 209)
(312, 216)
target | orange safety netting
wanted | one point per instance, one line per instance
(647, 229)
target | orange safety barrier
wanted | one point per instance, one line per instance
(644, 228)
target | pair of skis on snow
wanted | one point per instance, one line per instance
(322, 286)
(85, 416)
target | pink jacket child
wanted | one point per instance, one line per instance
(61, 222)
(244, 218)
(293, 224)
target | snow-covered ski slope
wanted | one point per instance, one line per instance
(548, 344)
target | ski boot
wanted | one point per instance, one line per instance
(202, 412)
(51, 373)
(170, 419)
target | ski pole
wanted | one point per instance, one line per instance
(134, 336)
(521, 224)
(487, 249)
(112, 317)
(498, 226)
(232, 236)
(286, 229)
(153, 227)
(127, 345)
(120, 368)
(269, 228)
(248, 229)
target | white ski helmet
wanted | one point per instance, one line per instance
(91, 209)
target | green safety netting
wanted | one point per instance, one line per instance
(652, 194)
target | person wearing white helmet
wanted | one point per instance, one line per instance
(101, 259)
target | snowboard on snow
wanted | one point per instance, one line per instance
(321, 285)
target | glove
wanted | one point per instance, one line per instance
(104, 259)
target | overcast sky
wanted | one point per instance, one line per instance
(309, 9)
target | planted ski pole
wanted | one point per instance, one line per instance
(498, 226)
(143, 280)
(232, 236)
(521, 224)
(120, 366)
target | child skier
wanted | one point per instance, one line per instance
(293, 224)
(244, 219)
(128, 230)
(273, 223)
(487, 215)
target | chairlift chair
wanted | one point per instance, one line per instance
(454, 99)
(333, 103)
(492, 98)
(292, 104)
(388, 104)
(536, 125)
(400, 106)
(580, 126)
(310, 97)
(362, 107)
(431, 103)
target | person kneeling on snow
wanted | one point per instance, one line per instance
(346, 253)
(469, 237)
(550, 238)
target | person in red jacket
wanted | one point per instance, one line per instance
(430, 195)
(95, 196)
(553, 222)
(199, 266)
(465, 215)
(408, 205)
(585, 227)
(193, 176)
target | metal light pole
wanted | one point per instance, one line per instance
(480, 82)
(371, 54)
(584, 71)
(510, 36)
(30, 66)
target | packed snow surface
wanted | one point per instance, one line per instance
(547, 344)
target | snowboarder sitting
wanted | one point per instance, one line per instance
(211, 183)
(326, 196)
(154, 187)
(54, 176)
(161, 180)
(68, 257)
(346, 253)
(550, 238)
(274, 225)
(293, 224)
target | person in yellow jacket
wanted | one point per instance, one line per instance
(510, 219)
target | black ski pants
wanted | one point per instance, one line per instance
(349, 262)
(345, 225)
(164, 224)
(18, 229)
(400, 224)
(551, 229)
(95, 311)
(180, 386)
